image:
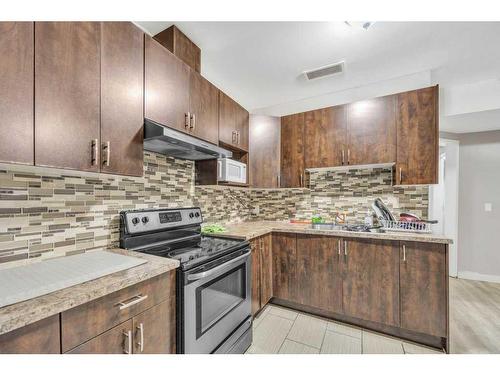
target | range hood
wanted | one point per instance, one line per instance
(163, 140)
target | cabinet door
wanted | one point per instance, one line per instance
(285, 266)
(417, 137)
(264, 151)
(242, 125)
(41, 337)
(371, 280)
(227, 119)
(154, 329)
(319, 277)
(166, 86)
(122, 116)
(266, 270)
(67, 85)
(292, 150)
(424, 288)
(204, 107)
(118, 340)
(255, 244)
(325, 137)
(16, 92)
(371, 126)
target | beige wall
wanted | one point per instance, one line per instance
(479, 231)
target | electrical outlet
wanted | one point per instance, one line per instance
(488, 207)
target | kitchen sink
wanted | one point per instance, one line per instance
(328, 226)
(346, 227)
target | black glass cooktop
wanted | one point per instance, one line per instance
(197, 251)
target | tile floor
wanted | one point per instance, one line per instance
(278, 330)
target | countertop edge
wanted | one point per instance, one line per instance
(23, 313)
(391, 236)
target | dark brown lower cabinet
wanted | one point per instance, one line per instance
(284, 266)
(266, 270)
(424, 288)
(319, 272)
(255, 276)
(262, 272)
(118, 340)
(154, 329)
(41, 337)
(371, 280)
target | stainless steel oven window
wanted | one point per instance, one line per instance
(220, 296)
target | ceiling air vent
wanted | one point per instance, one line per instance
(325, 71)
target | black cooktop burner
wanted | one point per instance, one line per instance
(194, 252)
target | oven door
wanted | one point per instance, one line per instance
(217, 299)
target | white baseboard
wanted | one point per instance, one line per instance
(478, 276)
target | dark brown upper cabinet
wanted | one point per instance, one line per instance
(292, 151)
(325, 137)
(16, 91)
(371, 129)
(67, 94)
(122, 115)
(166, 87)
(181, 46)
(233, 123)
(204, 108)
(264, 151)
(417, 115)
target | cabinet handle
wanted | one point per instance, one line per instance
(348, 156)
(93, 152)
(132, 301)
(238, 137)
(128, 342)
(140, 343)
(193, 121)
(345, 248)
(233, 137)
(106, 151)
(339, 246)
(279, 180)
(343, 156)
(187, 119)
(400, 175)
(302, 179)
(404, 253)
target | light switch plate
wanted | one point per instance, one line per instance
(488, 207)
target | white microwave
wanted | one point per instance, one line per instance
(229, 170)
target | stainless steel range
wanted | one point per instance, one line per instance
(213, 281)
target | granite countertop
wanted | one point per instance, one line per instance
(252, 229)
(23, 313)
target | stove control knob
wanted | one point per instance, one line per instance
(197, 214)
(135, 220)
(145, 220)
(191, 215)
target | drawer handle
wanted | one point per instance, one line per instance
(140, 344)
(133, 301)
(128, 339)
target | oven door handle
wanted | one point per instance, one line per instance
(210, 272)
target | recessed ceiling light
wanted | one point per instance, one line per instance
(365, 25)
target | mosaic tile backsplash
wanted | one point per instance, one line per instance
(45, 212)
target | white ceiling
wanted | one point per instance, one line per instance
(260, 64)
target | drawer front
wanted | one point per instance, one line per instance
(85, 322)
(41, 337)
